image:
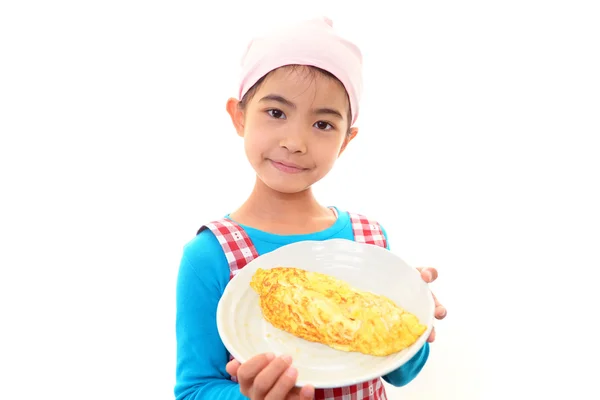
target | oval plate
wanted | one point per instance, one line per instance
(245, 333)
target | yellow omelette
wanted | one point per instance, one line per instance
(320, 308)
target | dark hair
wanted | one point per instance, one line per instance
(309, 69)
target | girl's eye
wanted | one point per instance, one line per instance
(323, 125)
(276, 113)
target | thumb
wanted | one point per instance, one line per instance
(232, 367)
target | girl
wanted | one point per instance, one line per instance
(298, 100)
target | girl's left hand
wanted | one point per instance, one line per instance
(429, 275)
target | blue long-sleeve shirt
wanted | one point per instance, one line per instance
(203, 275)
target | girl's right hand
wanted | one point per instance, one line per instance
(265, 377)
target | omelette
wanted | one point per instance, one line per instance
(320, 308)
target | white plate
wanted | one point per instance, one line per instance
(245, 333)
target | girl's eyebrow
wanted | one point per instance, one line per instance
(279, 99)
(284, 101)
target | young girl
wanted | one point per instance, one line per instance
(298, 100)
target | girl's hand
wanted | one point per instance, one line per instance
(265, 377)
(429, 275)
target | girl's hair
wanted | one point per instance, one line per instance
(309, 70)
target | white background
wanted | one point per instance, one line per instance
(478, 151)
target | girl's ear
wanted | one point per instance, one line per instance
(349, 137)
(237, 115)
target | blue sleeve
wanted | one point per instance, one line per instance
(409, 370)
(201, 355)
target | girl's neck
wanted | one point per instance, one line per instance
(283, 213)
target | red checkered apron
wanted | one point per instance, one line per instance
(239, 251)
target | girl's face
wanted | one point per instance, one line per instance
(294, 128)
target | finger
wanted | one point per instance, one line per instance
(307, 393)
(232, 367)
(428, 274)
(247, 372)
(431, 337)
(304, 393)
(440, 310)
(284, 387)
(277, 373)
(293, 394)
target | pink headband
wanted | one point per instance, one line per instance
(313, 43)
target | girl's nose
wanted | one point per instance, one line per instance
(294, 141)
